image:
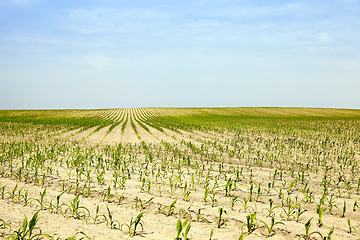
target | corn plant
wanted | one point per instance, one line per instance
(41, 200)
(298, 214)
(97, 216)
(107, 195)
(320, 212)
(186, 193)
(229, 187)
(308, 195)
(343, 210)
(331, 202)
(308, 234)
(186, 225)
(75, 210)
(245, 204)
(110, 222)
(63, 185)
(213, 199)
(351, 228)
(201, 218)
(211, 234)
(251, 191)
(119, 197)
(220, 221)
(173, 188)
(160, 190)
(259, 191)
(291, 187)
(25, 197)
(289, 211)
(76, 236)
(356, 205)
(271, 208)
(233, 201)
(250, 223)
(56, 206)
(268, 189)
(100, 177)
(13, 194)
(27, 230)
(328, 237)
(132, 227)
(141, 204)
(2, 191)
(270, 228)
(168, 210)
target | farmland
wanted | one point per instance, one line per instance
(191, 173)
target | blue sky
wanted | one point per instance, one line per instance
(157, 53)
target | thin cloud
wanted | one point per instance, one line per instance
(19, 2)
(349, 1)
(99, 20)
(323, 37)
(262, 11)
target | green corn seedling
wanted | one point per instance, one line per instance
(75, 210)
(220, 221)
(182, 229)
(168, 210)
(250, 223)
(271, 208)
(41, 200)
(201, 218)
(298, 214)
(320, 212)
(351, 228)
(308, 234)
(110, 222)
(270, 228)
(26, 231)
(328, 237)
(343, 210)
(56, 207)
(233, 201)
(140, 204)
(25, 197)
(132, 227)
(97, 216)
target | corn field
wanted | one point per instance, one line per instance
(180, 173)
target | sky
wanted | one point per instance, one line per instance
(189, 53)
